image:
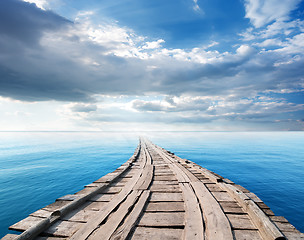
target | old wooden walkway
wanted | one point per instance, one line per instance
(157, 195)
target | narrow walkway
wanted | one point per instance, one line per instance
(157, 195)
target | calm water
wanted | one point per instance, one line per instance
(36, 168)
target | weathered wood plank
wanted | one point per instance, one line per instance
(174, 182)
(247, 235)
(41, 213)
(79, 215)
(94, 206)
(254, 197)
(267, 228)
(145, 181)
(165, 188)
(55, 206)
(146, 233)
(102, 197)
(106, 230)
(112, 190)
(10, 237)
(129, 224)
(240, 221)
(162, 219)
(166, 197)
(278, 219)
(165, 178)
(63, 228)
(165, 207)
(294, 235)
(217, 224)
(25, 223)
(214, 188)
(222, 196)
(194, 227)
(93, 223)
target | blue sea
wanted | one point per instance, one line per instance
(38, 167)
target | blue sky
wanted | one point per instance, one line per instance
(152, 65)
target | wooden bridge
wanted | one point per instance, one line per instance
(157, 195)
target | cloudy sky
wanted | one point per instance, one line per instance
(230, 65)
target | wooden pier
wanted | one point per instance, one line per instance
(156, 195)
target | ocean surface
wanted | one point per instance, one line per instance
(38, 167)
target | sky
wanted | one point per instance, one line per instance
(141, 65)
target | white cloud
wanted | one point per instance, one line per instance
(43, 4)
(208, 111)
(154, 44)
(262, 12)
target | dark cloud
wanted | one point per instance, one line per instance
(25, 22)
(84, 108)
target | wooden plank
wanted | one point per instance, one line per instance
(162, 219)
(94, 184)
(93, 223)
(174, 182)
(165, 178)
(217, 224)
(247, 235)
(63, 228)
(79, 215)
(232, 208)
(117, 184)
(69, 197)
(286, 227)
(241, 188)
(112, 190)
(232, 204)
(268, 212)
(240, 221)
(145, 181)
(55, 206)
(158, 170)
(278, 219)
(214, 188)
(103, 197)
(222, 196)
(254, 197)
(41, 213)
(106, 230)
(25, 223)
(164, 166)
(166, 197)
(95, 206)
(165, 207)
(129, 224)
(204, 180)
(107, 178)
(146, 233)
(267, 228)
(294, 235)
(123, 180)
(165, 188)
(164, 173)
(10, 237)
(194, 227)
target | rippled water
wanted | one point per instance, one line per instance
(36, 168)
